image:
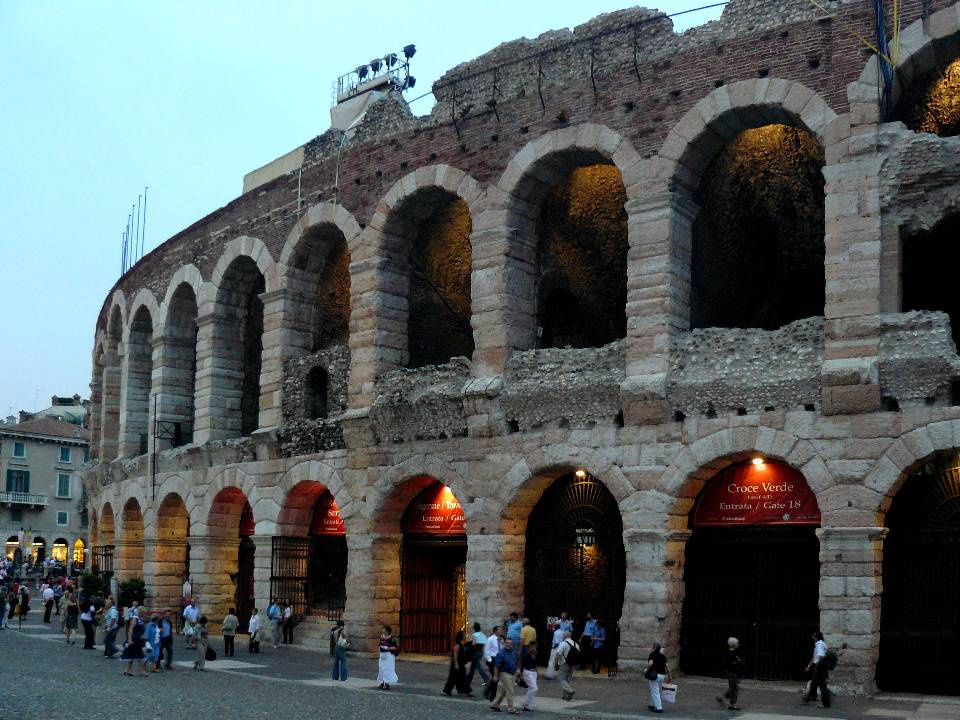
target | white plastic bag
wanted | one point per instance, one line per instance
(668, 692)
(551, 671)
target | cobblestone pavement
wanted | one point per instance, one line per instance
(39, 672)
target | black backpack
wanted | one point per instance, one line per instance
(573, 654)
(830, 659)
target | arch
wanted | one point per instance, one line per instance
(226, 511)
(397, 487)
(130, 560)
(729, 110)
(320, 472)
(186, 275)
(171, 550)
(137, 380)
(173, 519)
(318, 215)
(107, 530)
(58, 550)
(243, 246)
(177, 355)
(924, 44)
(79, 553)
(144, 299)
(111, 380)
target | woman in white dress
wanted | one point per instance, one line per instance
(388, 659)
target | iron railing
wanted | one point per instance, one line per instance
(22, 498)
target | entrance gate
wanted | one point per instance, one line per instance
(752, 571)
(921, 585)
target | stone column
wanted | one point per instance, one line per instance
(852, 236)
(164, 562)
(174, 372)
(367, 606)
(658, 300)
(219, 383)
(213, 566)
(262, 557)
(851, 569)
(495, 577)
(276, 307)
(110, 408)
(129, 559)
(653, 598)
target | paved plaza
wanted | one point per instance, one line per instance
(39, 673)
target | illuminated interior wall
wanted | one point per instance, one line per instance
(582, 283)
(332, 306)
(758, 248)
(439, 299)
(931, 103)
(929, 267)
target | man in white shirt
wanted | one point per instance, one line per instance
(191, 615)
(818, 665)
(47, 602)
(490, 649)
(288, 623)
(254, 629)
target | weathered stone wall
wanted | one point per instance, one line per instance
(918, 360)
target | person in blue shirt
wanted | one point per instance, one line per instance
(599, 639)
(166, 640)
(565, 624)
(274, 618)
(151, 634)
(514, 631)
(586, 639)
(504, 668)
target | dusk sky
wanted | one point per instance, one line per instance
(100, 99)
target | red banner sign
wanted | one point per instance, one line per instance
(326, 517)
(770, 493)
(436, 511)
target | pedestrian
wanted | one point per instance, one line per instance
(818, 665)
(111, 624)
(387, 664)
(490, 652)
(515, 632)
(274, 617)
(568, 657)
(528, 636)
(657, 671)
(151, 643)
(133, 647)
(551, 672)
(71, 618)
(477, 660)
(86, 618)
(191, 614)
(732, 664)
(3, 610)
(229, 629)
(201, 637)
(599, 640)
(47, 594)
(253, 628)
(166, 640)
(340, 645)
(528, 672)
(564, 624)
(586, 640)
(57, 595)
(457, 674)
(504, 668)
(287, 623)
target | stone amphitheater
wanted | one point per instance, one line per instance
(615, 271)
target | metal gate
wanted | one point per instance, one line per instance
(290, 572)
(758, 584)
(575, 560)
(311, 574)
(245, 600)
(102, 560)
(920, 620)
(433, 594)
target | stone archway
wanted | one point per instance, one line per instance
(110, 383)
(171, 551)
(135, 407)
(130, 556)
(221, 561)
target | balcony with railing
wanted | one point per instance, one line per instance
(21, 498)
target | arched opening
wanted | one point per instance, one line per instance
(59, 551)
(238, 347)
(582, 259)
(139, 358)
(171, 551)
(11, 547)
(79, 554)
(110, 389)
(921, 583)
(433, 588)
(39, 549)
(431, 253)
(103, 551)
(309, 559)
(179, 360)
(752, 571)
(575, 561)
(758, 242)
(130, 562)
(318, 382)
(929, 262)
(320, 269)
(931, 104)
(227, 574)
(96, 402)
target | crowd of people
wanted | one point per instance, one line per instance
(505, 659)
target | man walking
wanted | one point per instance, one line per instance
(567, 653)
(732, 664)
(586, 639)
(111, 623)
(490, 651)
(504, 668)
(274, 618)
(514, 632)
(166, 641)
(57, 595)
(229, 630)
(47, 602)
(191, 616)
(818, 664)
(528, 637)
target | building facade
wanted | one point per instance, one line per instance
(43, 507)
(646, 325)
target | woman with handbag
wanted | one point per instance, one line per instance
(657, 671)
(340, 645)
(457, 677)
(201, 636)
(528, 676)
(387, 665)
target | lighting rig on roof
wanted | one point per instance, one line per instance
(384, 73)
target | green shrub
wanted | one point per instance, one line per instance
(130, 590)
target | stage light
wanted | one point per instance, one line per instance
(363, 71)
(390, 59)
(581, 474)
(758, 461)
(375, 64)
(411, 81)
(409, 51)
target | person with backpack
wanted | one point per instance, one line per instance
(657, 671)
(340, 644)
(202, 638)
(820, 664)
(133, 647)
(568, 657)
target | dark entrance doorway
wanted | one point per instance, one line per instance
(244, 593)
(920, 620)
(752, 571)
(433, 604)
(575, 560)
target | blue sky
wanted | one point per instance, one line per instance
(99, 99)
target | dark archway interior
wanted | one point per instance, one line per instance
(929, 267)
(438, 320)
(181, 341)
(317, 384)
(921, 583)
(582, 260)
(758, 248)
(323, 262)
(931, 103)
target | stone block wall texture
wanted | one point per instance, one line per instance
(854, 398)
